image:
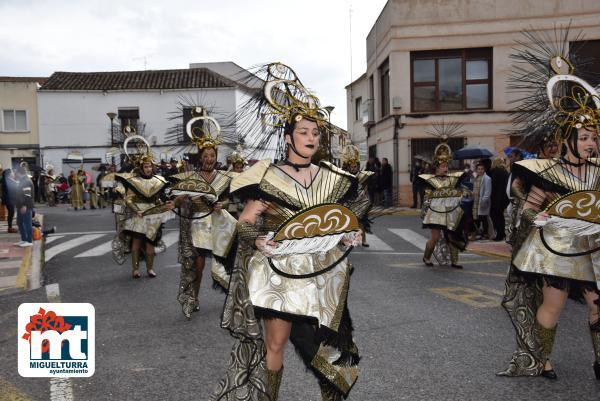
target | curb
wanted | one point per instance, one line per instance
(37, 260)
(29, 276)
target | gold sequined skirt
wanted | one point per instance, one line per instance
(444, 212)
(214, 232)
(146, 225)
(534, 257)
(322, 297)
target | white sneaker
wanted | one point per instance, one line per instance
(26, 244)
(19, 243)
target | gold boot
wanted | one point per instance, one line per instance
(273, 383)
(135, 263)
(454, 257)
(595, 332)
(149, 265)
(196, 285)
(546, 337)
(329, 392)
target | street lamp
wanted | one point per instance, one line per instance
(111, 116)
(329, 110)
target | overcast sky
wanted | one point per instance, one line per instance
(312, 36)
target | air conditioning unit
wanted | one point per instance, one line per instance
(368, 112)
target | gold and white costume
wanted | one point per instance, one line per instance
(442, 205)
(142, 194)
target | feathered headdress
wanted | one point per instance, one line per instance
(444, 131)
(143, 152)
(350, 155)
(237, 156)
(196, 127)
(551, 100)
(282, 100)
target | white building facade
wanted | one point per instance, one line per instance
(75, 109)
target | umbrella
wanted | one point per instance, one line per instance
(423, 158)
(472, 152)
(526, 155)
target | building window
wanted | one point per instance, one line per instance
(586, 52)
(424, 148)
(451, 80)
(384, 80)
(129, 116)
(14, 121)
(358, 108)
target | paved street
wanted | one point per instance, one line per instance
(424, 333)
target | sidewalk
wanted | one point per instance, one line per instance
(20, 268)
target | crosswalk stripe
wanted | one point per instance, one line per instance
(410, 236)
(53, 238)
(55, 250)
(376, 244)
(97, 251)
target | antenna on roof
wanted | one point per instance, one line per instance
(145, 58)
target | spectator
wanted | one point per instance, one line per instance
(386, 182)
(94, 196)
(172, 170)
(416, 183)
(372, 183)
(35, 179)
(162, 169)
(499, 200)
(8, 193)
(24, 205)
(482, 192)
(378, 189)
(515, 156)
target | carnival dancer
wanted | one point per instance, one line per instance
(238, 163)
(50, 185)
(206, 227)
(290, 276)
(144, 211)
(76, 185)
(351, 163)
(442, 212)
(555, 255)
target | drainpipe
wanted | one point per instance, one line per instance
(397, 127)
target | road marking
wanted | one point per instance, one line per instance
(376, 244)
(96, 232)
(61, 388)
(415, 265)
(385, 253)
(411, 237)
(97, 251)
(469, 296)
(51, 239)
(490, 289)
(55, 250)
